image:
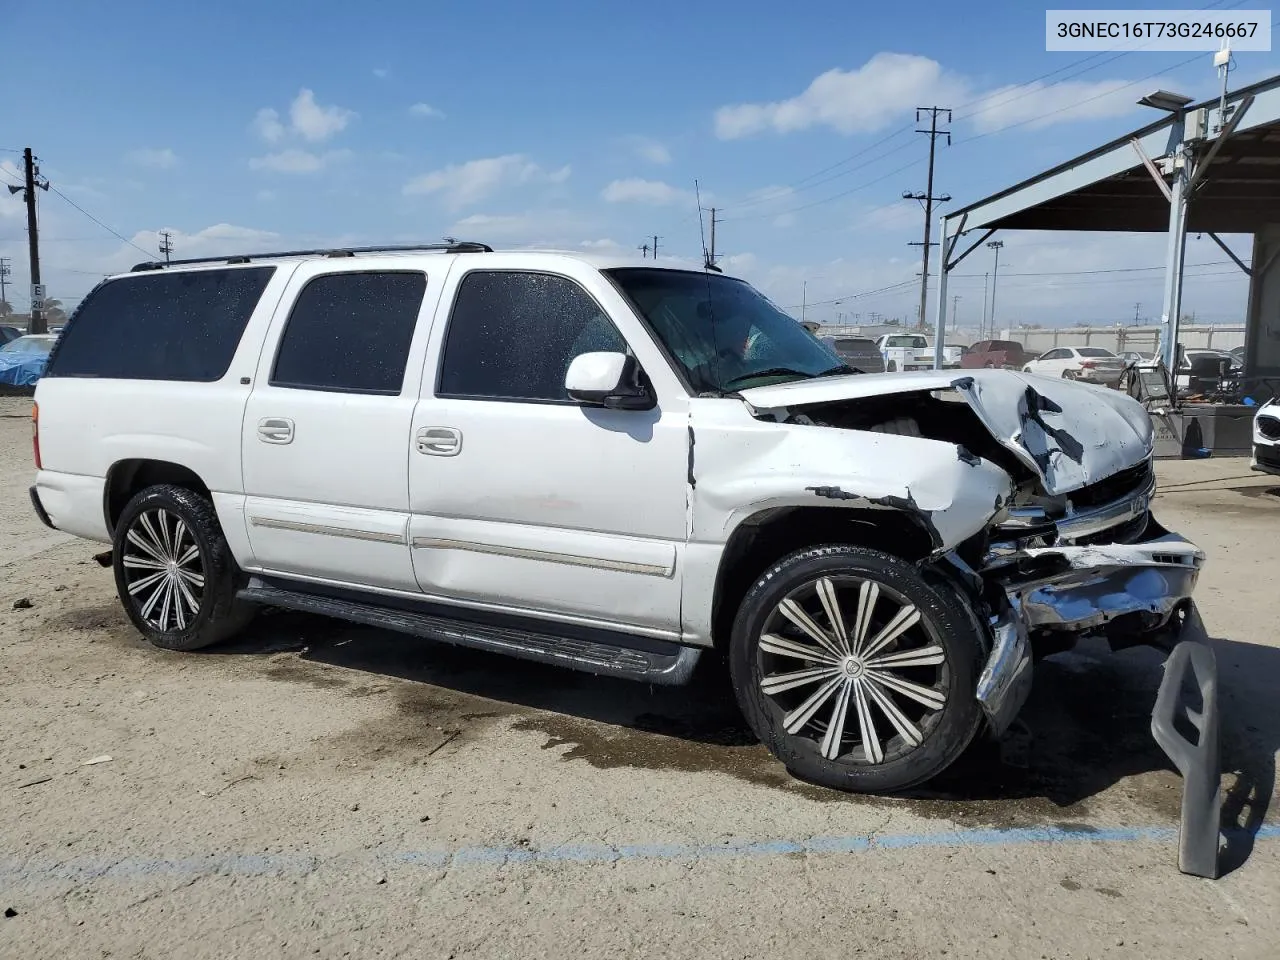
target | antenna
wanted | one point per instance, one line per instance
(1223, 61)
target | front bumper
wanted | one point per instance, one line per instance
(1127, 592)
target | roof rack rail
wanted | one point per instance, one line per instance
(449, 246)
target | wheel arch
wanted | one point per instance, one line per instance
(126, 478)
(765, 537)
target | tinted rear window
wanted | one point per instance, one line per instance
(1094, 352)
(1007, 345)
(161, 326)
(855, 343)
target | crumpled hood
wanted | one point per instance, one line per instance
(1070, 434)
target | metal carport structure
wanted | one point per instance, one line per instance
(1210, 167)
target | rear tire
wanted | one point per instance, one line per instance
(896, 677)
(174, 571)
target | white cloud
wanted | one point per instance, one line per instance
(267, 123)
(307, 119)
(426, 110)
(603, 245)
(266, 196)
(1040, 104)
(850, 101)
(648, 149)
(314, 122)
(890, 86)
(470, 182)
(293, 160)
(651, 192)
(784, 220)
(546, 227)
(162, 159)
(381, 73)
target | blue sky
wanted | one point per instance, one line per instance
(242, 126)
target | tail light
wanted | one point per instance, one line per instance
(1087, 364)
(35, 433)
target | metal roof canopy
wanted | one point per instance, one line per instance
(1218, 182)
(1110, 188)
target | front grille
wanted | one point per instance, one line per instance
(1269, 427)
(1115, 487)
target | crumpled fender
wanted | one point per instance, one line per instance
(740, 466)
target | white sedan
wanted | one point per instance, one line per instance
(1090, 364)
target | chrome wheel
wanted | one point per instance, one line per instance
(163, 570)
(843, 645)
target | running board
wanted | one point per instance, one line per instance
(664, 663)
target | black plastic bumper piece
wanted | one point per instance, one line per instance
(1198, 761)
(40, 511)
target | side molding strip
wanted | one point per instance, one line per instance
(376, 536)
(523, 553)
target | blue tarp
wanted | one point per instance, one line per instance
(22, 369)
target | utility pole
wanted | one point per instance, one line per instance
(927, 198)
(711, 256)
(982, 327)
(1136, 308)
(32, 179)
(4, 278)
(954, 300)
(166, 244)
(656, 238)
(995, 245)
(644, 250)
(804, 298)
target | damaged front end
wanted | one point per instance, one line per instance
(1073, 552)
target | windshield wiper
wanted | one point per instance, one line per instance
(785, 371)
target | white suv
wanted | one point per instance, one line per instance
(608, 465)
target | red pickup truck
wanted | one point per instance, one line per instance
(995, 353)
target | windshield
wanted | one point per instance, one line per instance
(722, 332)
(26, 345)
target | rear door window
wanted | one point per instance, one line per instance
(350, 332)
(181, 325)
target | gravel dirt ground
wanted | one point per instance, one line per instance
(323, 790)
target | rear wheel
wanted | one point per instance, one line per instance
(855, 671)
(174, 571)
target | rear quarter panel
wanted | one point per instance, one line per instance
(89, 424)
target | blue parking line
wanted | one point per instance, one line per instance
(16, 872)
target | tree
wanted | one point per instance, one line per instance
(6, 310)
(53, 312)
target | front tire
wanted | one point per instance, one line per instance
(855, 671)
(174, 571)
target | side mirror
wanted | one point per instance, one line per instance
(612, 380)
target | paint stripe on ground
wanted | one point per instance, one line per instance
(17, 872)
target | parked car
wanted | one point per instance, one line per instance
(1266, 438)
(1006, 354)
(953, 354)
(1238, 353)
(1088, 364)
(905, 351)
(8, 333)
(606, 465)
(22, 361)
(860, 353)
(1137, 356)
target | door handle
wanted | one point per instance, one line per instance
(275, 430)
(439, 441)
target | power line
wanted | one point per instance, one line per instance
(100, 223)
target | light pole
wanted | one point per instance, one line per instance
(995, 245)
